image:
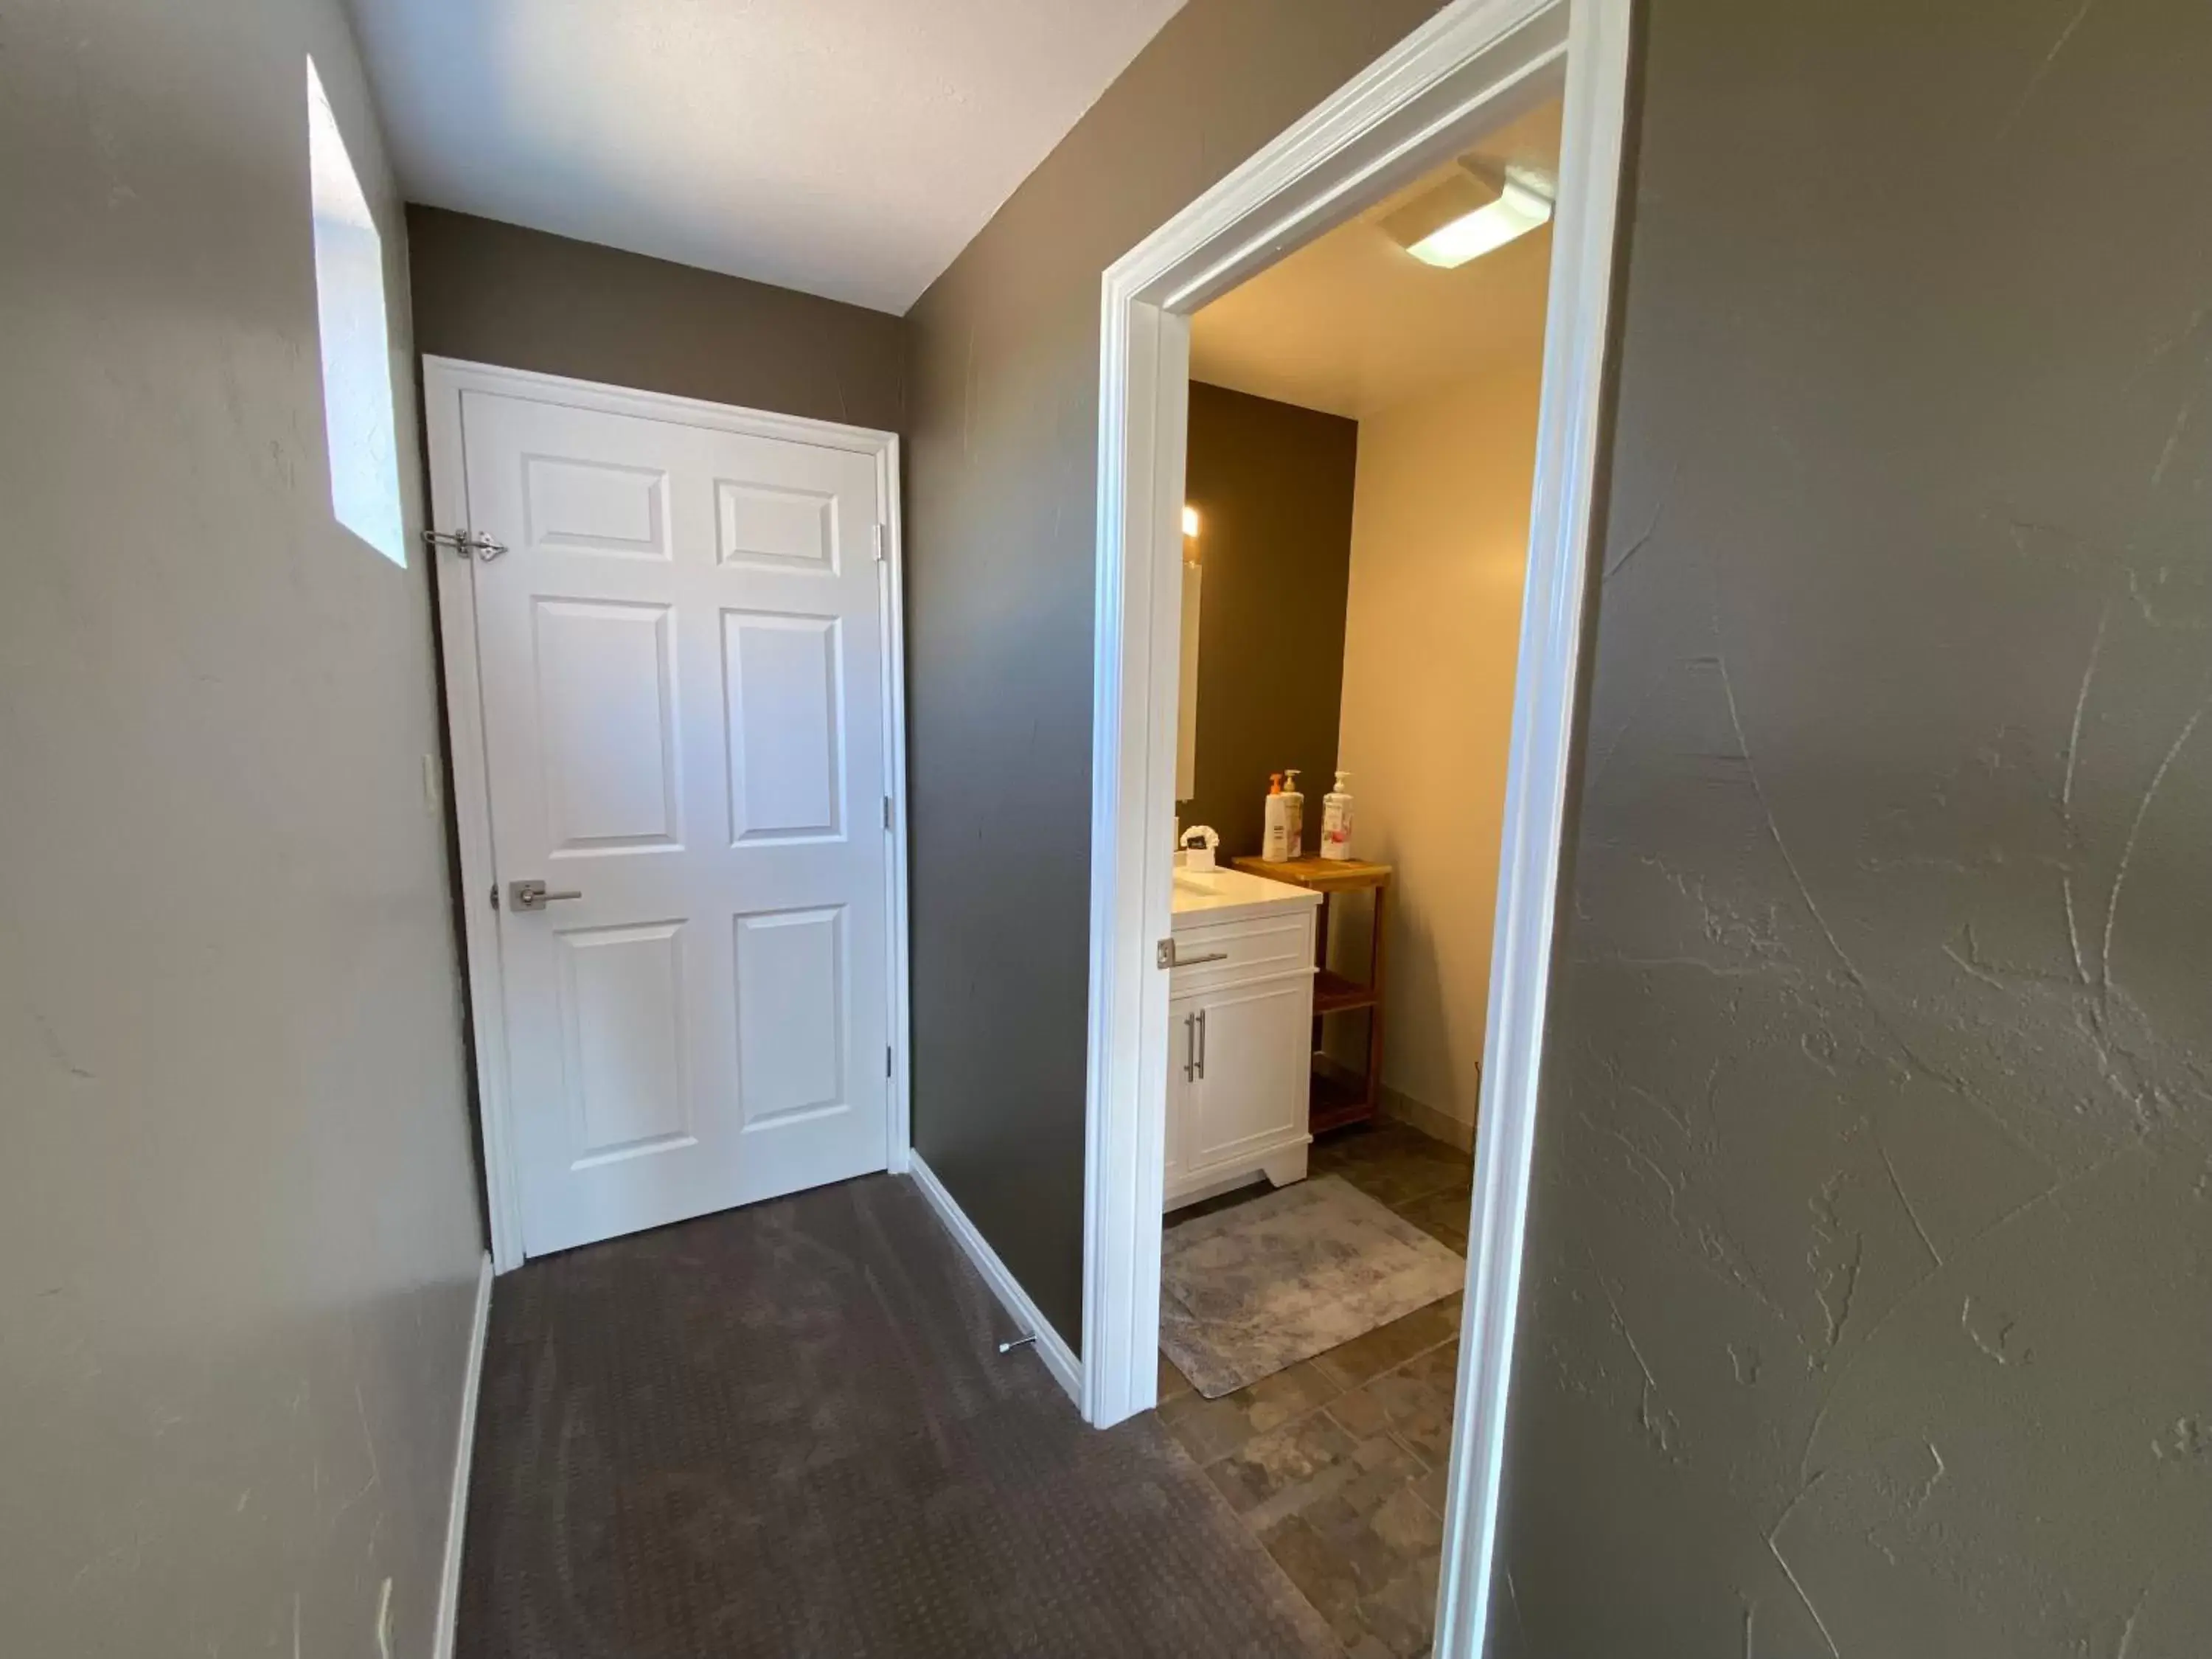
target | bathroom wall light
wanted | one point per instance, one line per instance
(1472, 213)
(1190, 522)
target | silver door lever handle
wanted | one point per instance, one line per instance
(532, 895)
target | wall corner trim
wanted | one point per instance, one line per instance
(445, 1632)
(1058, 1358)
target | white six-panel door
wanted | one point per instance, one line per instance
(684, 690)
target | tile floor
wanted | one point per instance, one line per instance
(1337, 1464)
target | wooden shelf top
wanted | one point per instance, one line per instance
(1319, 874)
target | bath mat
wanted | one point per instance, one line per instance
(1248, 1290)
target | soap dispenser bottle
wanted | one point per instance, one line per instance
(1336, 819)
(1294, 811)
(1275, 823)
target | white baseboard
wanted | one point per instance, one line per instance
(456, 1514)
(1058, 1358)
(1419, 1114)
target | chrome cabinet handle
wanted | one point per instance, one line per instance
(532, 895)
(1190, 1047)
(1201, 1044)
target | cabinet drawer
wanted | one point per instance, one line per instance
(1241, 951)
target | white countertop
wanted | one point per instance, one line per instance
(1222, 895)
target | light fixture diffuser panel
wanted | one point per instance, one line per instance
(1524, 204)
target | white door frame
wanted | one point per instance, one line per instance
(1475, 62)
(444, 382)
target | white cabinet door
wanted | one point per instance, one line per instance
(682, 679)
(1253, 1056)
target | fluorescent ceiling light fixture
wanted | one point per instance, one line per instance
(1190, 522)
(1470, 214)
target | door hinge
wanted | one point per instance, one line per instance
(466, 541)
(887, 1060)
(887, 812)
(883, 536)
(495, 896)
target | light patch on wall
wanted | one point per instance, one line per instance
(357, 415)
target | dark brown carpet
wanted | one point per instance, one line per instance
(787, 1430)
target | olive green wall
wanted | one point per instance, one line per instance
(1868, 1303)
(492, 293)
(1865, 1302)
(1003, 417)
(239, 1235)
(1273, 483)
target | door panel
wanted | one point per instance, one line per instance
(792, 998)
(776, 528)
(621, 1012)
(606, 711)
(596, 507)
(787, 770)
(683, 685)
(1252, 1088)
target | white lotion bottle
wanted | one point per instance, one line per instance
(1294, 812)
(1275, 823)
(1336, 819)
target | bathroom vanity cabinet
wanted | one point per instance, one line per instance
(1240, 1013)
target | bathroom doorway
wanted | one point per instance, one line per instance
(1349, 403)
(1359, 459)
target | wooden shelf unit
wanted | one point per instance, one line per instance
(1335, 995)
(1341, 1096)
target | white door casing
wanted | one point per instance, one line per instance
(1472, 63)
(684, 667)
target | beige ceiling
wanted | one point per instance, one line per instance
(849, 148)
(1353, 323)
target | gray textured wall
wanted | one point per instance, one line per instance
(492, 293)
(1868, 1300)
(1273, 483)
(239, 1234)
(1001, 494)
